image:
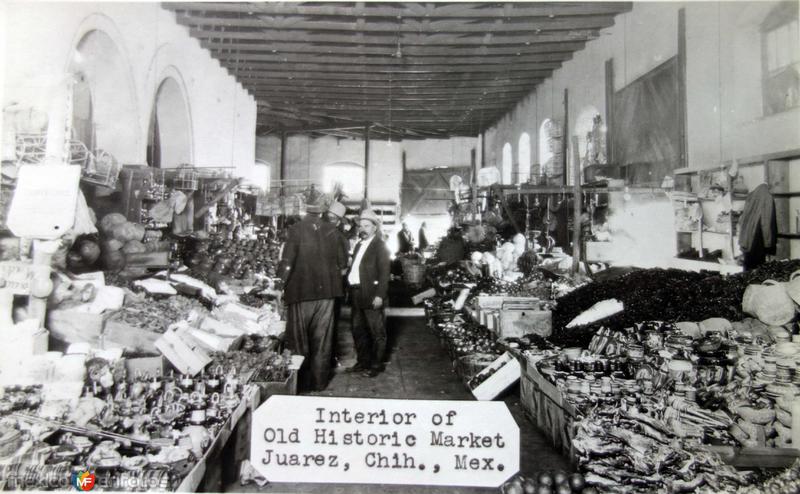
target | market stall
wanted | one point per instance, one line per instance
(137, 346)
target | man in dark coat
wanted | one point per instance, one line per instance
(405, 241)
(422, 238)
(311, 270)
(369, 286)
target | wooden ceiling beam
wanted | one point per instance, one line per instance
(390, 39)
(451, 84)
(543, 68)
(511, 25)
(379, 81)
(388, 50)
(391, 61)
(344, 72)
(408, 9)
(353, 92)
(383, 98)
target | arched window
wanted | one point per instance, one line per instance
(524, 158)
(169, 142)
(346, 176)
(549, 149)
(505, 170)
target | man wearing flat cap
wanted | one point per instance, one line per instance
(311, 269)
(369, 286)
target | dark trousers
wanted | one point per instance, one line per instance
(309, 332)
(369, 335)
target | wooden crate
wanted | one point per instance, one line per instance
(287, 387)
(207, 474)
(516, 323)
(506, 372)
(761, 457)
(69, 326)
(118, 334)
(547, 408)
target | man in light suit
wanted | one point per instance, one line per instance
(369, 285)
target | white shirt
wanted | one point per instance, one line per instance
(354, 278)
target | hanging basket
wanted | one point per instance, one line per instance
(100, 168)
(187, 179)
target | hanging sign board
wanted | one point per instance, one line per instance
(366, 441)
(45, 201)
(17, 276)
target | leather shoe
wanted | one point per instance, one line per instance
(355, 368)
(371, 373)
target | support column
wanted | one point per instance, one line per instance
(283, 163)
(565, 135)
(365, 202)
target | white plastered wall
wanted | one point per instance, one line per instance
(723, 81)
(40, 41)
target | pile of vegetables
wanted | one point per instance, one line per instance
(469, 338)
(786, 481)
(451, 275)
(558, 482)
(120, 237)
(156, 315)
(239, 259)
(670, 295)
(265, 364)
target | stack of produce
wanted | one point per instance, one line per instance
(670, 295)
(627, 450)
(218, 258)
(120, 238)
(548, 482)
(256, 355)
(157, 315)
(469, 338)
(786, 481)
(658, 386)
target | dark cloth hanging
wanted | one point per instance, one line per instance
(758, 227)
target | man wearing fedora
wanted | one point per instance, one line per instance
(369, 286)
(311, 268)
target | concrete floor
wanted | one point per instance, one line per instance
(418, 368)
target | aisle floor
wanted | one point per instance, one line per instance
(420, 369)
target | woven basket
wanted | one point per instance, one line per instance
(413, 274)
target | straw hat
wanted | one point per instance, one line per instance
(338, 209)
(368, 214)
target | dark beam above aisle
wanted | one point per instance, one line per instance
(409, 70)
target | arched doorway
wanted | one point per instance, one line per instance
(524, 151)
(169, 138)
(104, 102)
